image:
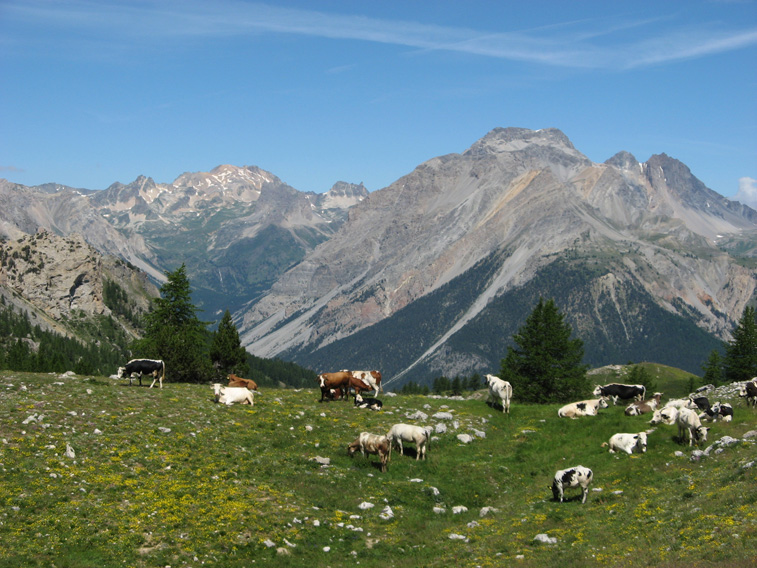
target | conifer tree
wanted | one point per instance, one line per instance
(545, 365)
(226, 351)
(740, 362)
(713, 369)
(174, 333)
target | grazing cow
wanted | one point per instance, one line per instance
(666, 415)
(371, 378)
(578, 476)
(408, 433)
(749, 391)
(690, 426)
(235, 381)
(372, 444)
(501, 390)
(339, 380)
(358, 385)
(154, 367)
(644, 406)
(230, 395)
(372, 403)
(620, 391)
(582, 408)
(628, 443)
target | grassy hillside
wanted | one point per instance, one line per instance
(167, 477)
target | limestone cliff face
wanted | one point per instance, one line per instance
(61, 278)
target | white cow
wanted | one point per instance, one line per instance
(666, 415)
(230, 395)
(582, 408)
(501, 390)
(408, 433)
(628, 443)
(578, 476)
(689, 424)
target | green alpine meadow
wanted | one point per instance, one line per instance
(97, 473)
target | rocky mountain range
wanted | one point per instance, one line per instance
(434, 273)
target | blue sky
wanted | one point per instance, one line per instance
(316, 92)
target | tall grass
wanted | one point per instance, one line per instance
(168, 478)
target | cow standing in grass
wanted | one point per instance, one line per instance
(578, 476)
(139, 367)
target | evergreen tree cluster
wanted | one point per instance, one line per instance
(29, 348)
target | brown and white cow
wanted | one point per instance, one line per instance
(371, 444)
(235, 381)
(644, 406)
(371, 378)
(339, 380)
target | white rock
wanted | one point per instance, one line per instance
(546, 539)
(465, 438)
(365, 505)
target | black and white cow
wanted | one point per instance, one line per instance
(372, 403)
(154, 367)
(620, 391)
(578, 476)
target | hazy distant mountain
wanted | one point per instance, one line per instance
(433, 273)
(235, 228)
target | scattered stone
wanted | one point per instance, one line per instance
(323, 461)
(486, 510)
(456, 510)
(465, 438)
(455, 536)
(269, 543)
(439, 510)
(387, 513)
(443, 416)
(70, 451)
(164, 429)
(365, 505)
(546, 539)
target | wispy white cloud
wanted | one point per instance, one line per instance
(593, 44)
(747, 193)
(12, 169)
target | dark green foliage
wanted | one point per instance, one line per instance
(741, 352)
(226, 352)
(546, 365)
(414, 388)
(713, 369)
(116, 298)
(174, 333)
(277, 373)
(639, 375)
(26, 347)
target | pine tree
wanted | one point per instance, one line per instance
(174, 333)
(226, 351)
(546, 364)
(741, 353)
(713, 369)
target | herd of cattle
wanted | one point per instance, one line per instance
(687, 413)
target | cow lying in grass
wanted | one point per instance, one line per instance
(644, 406)
(372, 403)
(582, 408)
(408, 433)
(578, 476)
(628, 443)
(372, 444)
(235, 381)
(230, 395)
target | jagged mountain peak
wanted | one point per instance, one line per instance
(515, 139)
(624, 161)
